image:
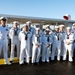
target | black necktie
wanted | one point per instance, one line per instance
(29, 29)
(58, 36)
(15, 32)
(26, 36)
(68, 36)
(38, 39)
(48, 39)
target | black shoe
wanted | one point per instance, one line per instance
(43, 62)
(71, 61)
(48, 62)
(28, 63)
(33, 63)
(38, 63)
(11, 61)
(21, 64)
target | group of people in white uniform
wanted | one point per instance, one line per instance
(33, 44)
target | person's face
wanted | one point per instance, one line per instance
(47, 32)
(74, 27)
(37, 26)
(25, 28)
(47, 27)
(3, 22)
(68, 30)
(15, 25)
(57, 29)
(61, 28)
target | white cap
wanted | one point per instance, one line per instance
(68, 28)
(56, 26)
(28, 22)
(2, 18)
(37, 29)
(24, 25)
(61, 25)
(73, 24)
(15, 22)
(47, 30)
(47, 25)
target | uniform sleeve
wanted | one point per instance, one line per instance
(41, 40)
(19, 36)
(33, 40)
(33, 31)
(10, 34)
(51, 40)
(61, 37)
(69, 40)
(64, 38)
(72, 38)
(31, 34)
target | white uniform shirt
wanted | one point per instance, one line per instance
(13, 36)
(31, 29)
(57, 37)
(73, 31)
(12, 33)
(22, 37)
(47, 39)
(63, 34)
(69, 38)
(37, 39)
(4, 31)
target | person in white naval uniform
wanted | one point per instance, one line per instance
(51, 33)
(37, 42)
(48, 27)
(13, 34)
(4, 32)
(30, 29)
(69, 38)
(24, 37)
(47, 41)
(57, 38)
(61, 30)
(37, 26)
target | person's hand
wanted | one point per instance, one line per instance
(67, 43)
(48, 45)
(37, 46)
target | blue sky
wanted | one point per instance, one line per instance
(38, 8)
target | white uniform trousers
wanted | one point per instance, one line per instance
(70, 50)
(22, 56)
(4, 47)
(62, 48)
(17, 44)
(36, 54)
(45, 53)
(56, 46)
